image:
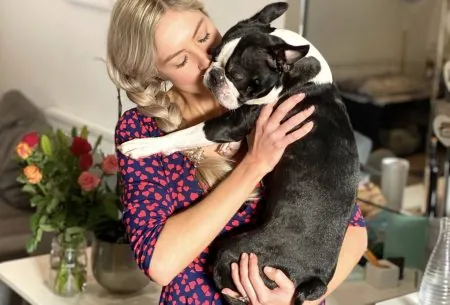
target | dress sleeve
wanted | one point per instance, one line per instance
(146, 192)
(357, 219)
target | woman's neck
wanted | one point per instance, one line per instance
(196, 108)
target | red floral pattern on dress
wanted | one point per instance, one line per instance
(156, 187)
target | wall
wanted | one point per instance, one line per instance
(48, 48)
(366, 37)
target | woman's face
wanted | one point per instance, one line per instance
(182, 40)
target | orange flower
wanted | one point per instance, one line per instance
(33, 174)
(23, 150)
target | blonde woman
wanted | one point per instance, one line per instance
(176, 206)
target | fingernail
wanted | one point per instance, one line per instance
(268, 269)
(252, 255)
(233, 266)
(244, 255)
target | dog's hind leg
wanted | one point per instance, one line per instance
(309, 290)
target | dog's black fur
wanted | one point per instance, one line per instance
(312, 190)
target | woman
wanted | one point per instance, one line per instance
(176, 205)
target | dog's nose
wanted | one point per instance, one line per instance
(216, 76)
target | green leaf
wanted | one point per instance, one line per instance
(62, 138)
(111, 209)
(47, 228)
(74, 230)
(21, 179)
(38, 201)
(28, 188)
(53, 204)
(84, 132)
(97, 144)
(32, 244)
(74, 132)
(46, 145)
(34, 222)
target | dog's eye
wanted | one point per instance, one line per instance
(257, 81)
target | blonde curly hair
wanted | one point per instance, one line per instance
(131, 66)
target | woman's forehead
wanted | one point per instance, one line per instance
(175, 29)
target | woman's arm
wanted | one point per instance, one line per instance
(353, 248)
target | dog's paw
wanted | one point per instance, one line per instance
(139, 148)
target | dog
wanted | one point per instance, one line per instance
(311, 192)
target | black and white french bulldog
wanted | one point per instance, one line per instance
(312, 190)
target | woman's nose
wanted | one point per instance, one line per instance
(204, 61)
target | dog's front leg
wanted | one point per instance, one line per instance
(232, 126)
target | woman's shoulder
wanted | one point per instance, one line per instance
(133, 124)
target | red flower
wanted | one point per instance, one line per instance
(32, 139)
(85, 162)
(80, 146)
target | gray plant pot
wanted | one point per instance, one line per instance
(115, 269)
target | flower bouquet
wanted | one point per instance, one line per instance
(68, 182)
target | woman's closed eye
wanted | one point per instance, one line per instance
(204, 39)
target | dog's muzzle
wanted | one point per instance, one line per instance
(214, 77)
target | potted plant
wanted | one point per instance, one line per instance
(69, 194)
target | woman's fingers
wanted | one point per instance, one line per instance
(295, 120)
(264, 115)
(281, 111)
(279, 278)
(296, 135)
(245, 281)
(236, 279)
(257, 282)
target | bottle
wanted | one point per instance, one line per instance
(435, 286)
(433, 175)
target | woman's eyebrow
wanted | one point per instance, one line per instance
(170, 57)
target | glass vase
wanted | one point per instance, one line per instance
(68, 264)
(435, 285)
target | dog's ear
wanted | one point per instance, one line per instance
(283, 56)
(269, 13)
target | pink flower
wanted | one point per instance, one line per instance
(88, 181)
(110, 166)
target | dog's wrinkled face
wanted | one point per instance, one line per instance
(248, 65)
(248, 70)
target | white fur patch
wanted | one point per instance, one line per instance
(325, 76)
(176, 141)
(228, 95)
(226, 52)
(271, 97)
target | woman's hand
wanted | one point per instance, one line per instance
(249, 283)
(270, 138)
